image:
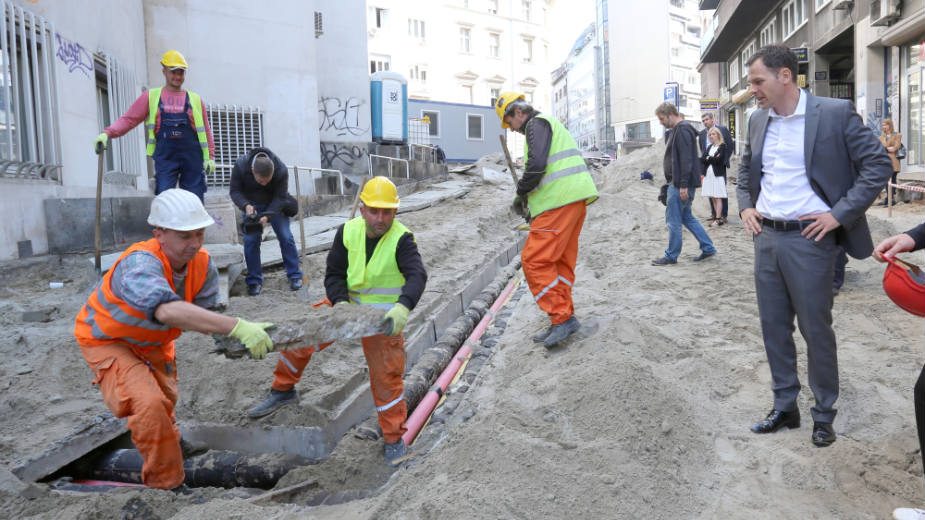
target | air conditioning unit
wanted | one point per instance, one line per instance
(884, 12)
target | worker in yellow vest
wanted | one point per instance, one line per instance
(556, 186)
(373, 261)
(179, 138)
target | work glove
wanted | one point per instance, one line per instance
(209, 166)
(253, 336)
(398, 315)
(100, 143)
(519, 207)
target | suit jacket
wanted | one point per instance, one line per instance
(718, 161)
(846, 165)
(727, 140)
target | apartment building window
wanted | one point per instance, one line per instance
(117, 87)
(377, 63)
(236, 130)
(319, 24)
(29, 130)
(495, 94)
(793, 16)
(733, 73)
(747, 53)
(678, 3)
(527, 5)
(474, 127)
(381, 17)
(528, 50)
(466, 93)
(915, 74)
(675, 52)
(494, 45)
(821, 3)
(465, 38)
(638, 131)
(419, 73)
(493, 6)
(416, 29)
(432, 117)
(768, 33)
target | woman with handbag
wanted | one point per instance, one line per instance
(892, 141)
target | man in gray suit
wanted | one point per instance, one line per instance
(809, 171)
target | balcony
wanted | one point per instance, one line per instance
(708, 4)
(738, 20)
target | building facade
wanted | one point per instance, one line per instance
(463, 51)
(870, 52)
(67, 75)
(464, 132)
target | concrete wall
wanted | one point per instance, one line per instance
(344, 118)
(452, 122)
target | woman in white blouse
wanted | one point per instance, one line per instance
(714, 182)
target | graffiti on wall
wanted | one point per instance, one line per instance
(346, 157)
(339, 117)
(73, 55)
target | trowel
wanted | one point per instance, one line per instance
(319, 325)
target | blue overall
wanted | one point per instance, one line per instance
(177, 154)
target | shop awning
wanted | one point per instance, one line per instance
(741, 96)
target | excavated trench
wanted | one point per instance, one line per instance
(254, 458)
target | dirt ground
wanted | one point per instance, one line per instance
(644, 414)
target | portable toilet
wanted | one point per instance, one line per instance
(389, 95)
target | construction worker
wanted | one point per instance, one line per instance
(373, 261)
(556, 187)
(126, 330)
(178, 133)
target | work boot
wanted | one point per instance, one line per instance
(559, 332)
(191, 448)
(275, 400)
(542, 335)
(254, 290)
(295, 284)
(396, 453)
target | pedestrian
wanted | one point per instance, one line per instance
(891, 141)
(912, 240)
(708, 123)
(260, 188)
(178, 133)
(154, 291)
(809, 172)
(555, 188)
(714, 180)
(373, 261)
(682, 173)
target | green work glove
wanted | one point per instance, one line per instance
(398, 315)
(253, 336)
(209, 166)
(519, 207)
(100, 143)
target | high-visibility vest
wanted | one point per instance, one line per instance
(195, 102)
(107, 319)
(566, 179)
(379, 282)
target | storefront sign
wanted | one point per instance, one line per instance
(731, 123)
(709, 104)
(801, 80)
(802, 54)
(822, 75)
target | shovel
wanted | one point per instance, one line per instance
(98, 240)
(320, 325)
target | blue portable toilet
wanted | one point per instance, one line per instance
(389, 95)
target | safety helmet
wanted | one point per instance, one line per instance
(504, 100)
(904, 283)
(174, 60)
(179, 210)
(379, 192)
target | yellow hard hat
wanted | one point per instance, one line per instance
(379, 192)
(174, 60)
(505, 99)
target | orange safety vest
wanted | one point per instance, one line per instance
(106, 319)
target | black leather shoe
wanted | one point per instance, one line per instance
(823, 434)
(776, 420)
(254, 290)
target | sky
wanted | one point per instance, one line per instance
(569, 17)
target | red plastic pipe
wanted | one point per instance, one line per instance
(420, 415)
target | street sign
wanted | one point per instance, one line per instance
(672, 93)
(802, 54)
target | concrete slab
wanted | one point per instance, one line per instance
(102, 430)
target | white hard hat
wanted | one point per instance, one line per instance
(179, 210)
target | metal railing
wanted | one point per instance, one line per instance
(391, 160)
(296, 169)
(426, 153)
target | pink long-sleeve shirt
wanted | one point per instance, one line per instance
(173, 103)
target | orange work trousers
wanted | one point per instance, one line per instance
(385, 357)
(142, 385)
(549, 258)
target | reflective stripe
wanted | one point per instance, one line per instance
(384, 306)
(378, 290)
(564, 154)
(573, 170)
(389, 405)
(200, 129)
(288, 365)
(116, 313)
(550, 286)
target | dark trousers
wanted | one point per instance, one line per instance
(287, 247)
(919, 397)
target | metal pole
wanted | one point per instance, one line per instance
(98, 240)
(298, 201)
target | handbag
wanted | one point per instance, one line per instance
(901, 152)
(663, 195)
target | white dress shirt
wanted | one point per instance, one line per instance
(785, 190)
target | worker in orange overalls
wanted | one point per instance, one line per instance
(373, 261)
(126, 330)
(556, 186)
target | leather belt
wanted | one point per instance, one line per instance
(785, 225)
